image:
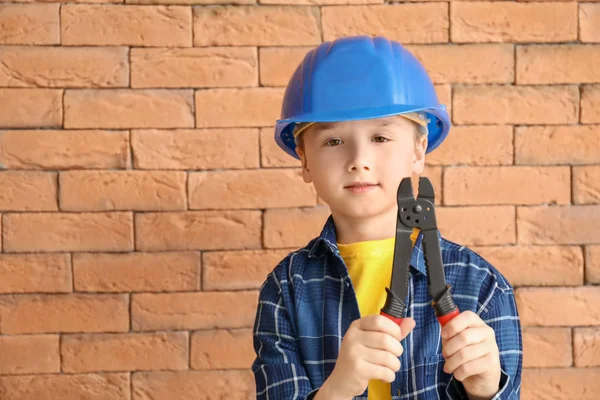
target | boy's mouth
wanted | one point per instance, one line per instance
(360, 184)
(361, 187)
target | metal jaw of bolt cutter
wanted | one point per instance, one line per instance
(418, 213)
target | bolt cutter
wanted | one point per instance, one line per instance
(418, 213)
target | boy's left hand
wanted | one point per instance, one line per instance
(472, 355)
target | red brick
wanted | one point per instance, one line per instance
(125, 108)
(63, 387)
(49, 149)
(29, 24)
(271, 154)
(558, 306)
(434, 174)
(191, 2)
(30, 354)
(444, 94)
(561, 383)
(547, 347)
(122, 190)
(558, 64)
(471, 63)
(513, 22)
(590, 104)
(199, 67)
(125, 352)
(195, 149)
(293, 228)
(592, 264)
(496, 185)
(475, 145)
(557, 144)
(406, 23)
(210, 310)
(250, 189)
(64, 313)
(515, 105)
(193, 384)
(26, 108)
(586, 184)
(206, 230)
(29, 66)
(277, 64)
(586, 343)
(217, 108)
(559, 225)
(136, 272)
(495, 225)
(126, 25)
(536, 265)
(28, 191)
(221, 270)
(68, 232)
(94, 1)
(320, 2)
(222, 349)
(589, 20)
(27, 273)
(256, 26)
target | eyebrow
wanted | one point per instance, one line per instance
(322, 127)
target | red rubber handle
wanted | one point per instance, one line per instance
(444, 319)
(398, 321)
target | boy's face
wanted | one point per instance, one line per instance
(378, 151)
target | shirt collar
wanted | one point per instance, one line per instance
(327, 241)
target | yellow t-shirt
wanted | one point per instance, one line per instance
(370, 267)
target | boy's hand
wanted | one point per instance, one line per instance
(472, 355)
(370, 350)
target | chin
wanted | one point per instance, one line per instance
(360, 211)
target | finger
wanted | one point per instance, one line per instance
(374, 371)
(465, 355)
(472, 368)
(465, 338)
(406, 326)
(462, 321)
(383, 324)
(382, 358)
(381, 341)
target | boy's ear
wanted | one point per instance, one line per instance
(419, 156)
(305, 171)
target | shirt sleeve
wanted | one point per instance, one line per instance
(278, 368)
(503, 317)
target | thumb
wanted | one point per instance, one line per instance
(406, 326)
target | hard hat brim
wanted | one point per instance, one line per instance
(438, 126)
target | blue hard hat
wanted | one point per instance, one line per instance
(359, 77)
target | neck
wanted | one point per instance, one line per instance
(351, 229)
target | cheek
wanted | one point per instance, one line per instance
(397, 162)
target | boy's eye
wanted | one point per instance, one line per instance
(337, 142)
(333, 142)
(384, 139)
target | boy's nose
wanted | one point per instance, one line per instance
(359, 165)
(360, 159)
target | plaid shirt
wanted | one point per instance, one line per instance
(307, 304)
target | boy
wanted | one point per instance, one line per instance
(361, 113)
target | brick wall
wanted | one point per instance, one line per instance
(143, 199)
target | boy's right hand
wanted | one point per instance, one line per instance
(370, 350)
